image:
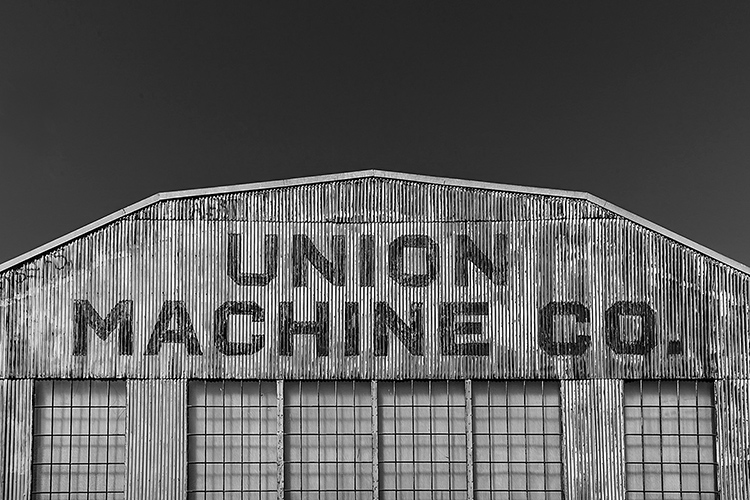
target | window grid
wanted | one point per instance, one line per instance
(327, 439)
(517, 435)
(231, 439)
(78, 439)
(669, 440)
(422, 433)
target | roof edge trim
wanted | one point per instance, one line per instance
(365, 174)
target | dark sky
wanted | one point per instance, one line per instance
(646, 105)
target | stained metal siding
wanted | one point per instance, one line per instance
(157, 439)
(16, 410)
(732, 410)
(593, 433)
(559, 249)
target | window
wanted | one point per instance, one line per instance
(517, 436)
(422, 439)
(328, 439)
(231, 439)
(669, 440)
(79, 439)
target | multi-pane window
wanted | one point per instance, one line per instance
(79, 439)
(232, 440)
(669, 440)
(327, 440)
(333, 443)
(517, 436)
(422, 449)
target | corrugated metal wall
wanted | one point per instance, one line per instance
(171, 261)
(593, 432)
(157, 442)
(166, 271)
(733, 437)
(16, 398)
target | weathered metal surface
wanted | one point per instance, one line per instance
(157, 440)
(469, 440)
(16, 411)
(732, 410)
(593, 430)
(577, 292)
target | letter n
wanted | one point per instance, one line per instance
(410, 334)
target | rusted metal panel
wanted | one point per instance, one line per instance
(593, 430)
(732, 410)
(157, 439)
(578, 292)
(16, 410)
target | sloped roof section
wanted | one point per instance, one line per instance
(321, 206)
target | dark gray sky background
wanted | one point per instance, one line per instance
(644, 104)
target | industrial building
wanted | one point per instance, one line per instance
(374, 335)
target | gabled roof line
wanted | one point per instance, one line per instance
(364, 174)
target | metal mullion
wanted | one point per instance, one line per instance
(714, 451)
(70, 442)
(469, 423)
(52, 431)
(223, 437)
(490, 433)
(448, 437)
(661, 442)
(643, 443)
(280, 439)
(697, 437)
(88, 445)
(317, 412)
(336, 429)
(679, 437)
(526, 434)
(205, 418)
(355, 427)
(375, 458)
(431, 434)
(242, 433)
(106, 467)
(508, 434)
(413, 442)
(544, 436)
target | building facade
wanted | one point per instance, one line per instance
(374, 335)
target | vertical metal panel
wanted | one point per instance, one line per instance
(16, 410)
(157, 439)
(593, 430)
(732, 411)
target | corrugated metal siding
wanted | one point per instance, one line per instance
(170, 260)
(16, 403)
(732, 410)
(157, 439)
(593, 433)
(558, 249)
